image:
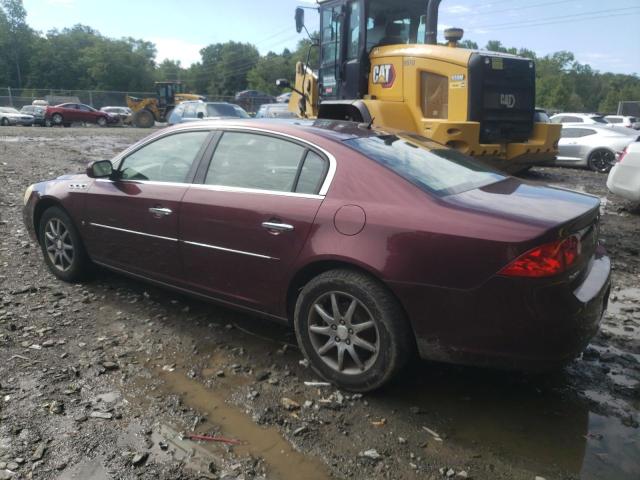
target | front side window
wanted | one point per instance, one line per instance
(435, 95)
(426, 164)
(168, 159)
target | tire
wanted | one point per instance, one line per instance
(376, 318)
(601, 160)
(57, 119)
(167, 114)
(4, 122)
(143, 119)
(102, 122)
(62, 247)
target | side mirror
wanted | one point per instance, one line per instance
(100, 169)
(299, 19)
(283, 83)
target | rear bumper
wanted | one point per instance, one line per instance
(509, 323)
(624, 181)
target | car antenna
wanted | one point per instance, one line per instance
(367, 125)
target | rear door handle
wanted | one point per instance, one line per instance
(277, 226)
(160, 211)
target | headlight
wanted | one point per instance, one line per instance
(27, 194)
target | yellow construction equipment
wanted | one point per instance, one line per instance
(380, 63)
(147, 111)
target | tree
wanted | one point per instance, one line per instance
(20, 36)
(225, 66)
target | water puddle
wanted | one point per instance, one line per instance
(527, 422)
(283, 462)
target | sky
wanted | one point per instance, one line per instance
(601, 33)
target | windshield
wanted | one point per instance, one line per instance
(428, 165)
(225, 110)
(8, 110)
(396, 22)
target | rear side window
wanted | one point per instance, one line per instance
(312, 174)
(614, 120)
(249, 160)
(426, 164)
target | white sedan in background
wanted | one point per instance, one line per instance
(624, 178)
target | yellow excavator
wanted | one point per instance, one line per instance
(147, 111)
(380, 63)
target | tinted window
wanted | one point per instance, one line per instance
(426, 164)
(168, 159)
(249, 160)
(569, 133)
(614, 120)
(225, 110)
(312, 174)
(572, 120)
(599, 119)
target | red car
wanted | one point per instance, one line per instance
(372, 244)
(68, 113)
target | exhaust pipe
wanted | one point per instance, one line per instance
(431, 35)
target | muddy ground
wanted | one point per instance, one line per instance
(107, 380)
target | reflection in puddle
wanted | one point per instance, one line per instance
(523, 420)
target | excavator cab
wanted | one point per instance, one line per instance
(167, 92)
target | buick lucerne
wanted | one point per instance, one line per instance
(374, 245)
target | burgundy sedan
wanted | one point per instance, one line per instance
(68, 113)
(374, 245)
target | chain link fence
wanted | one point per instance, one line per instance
(18, 98)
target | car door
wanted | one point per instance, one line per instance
(131, 220)
(568, 145)
(244, 224)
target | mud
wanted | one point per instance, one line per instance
(104, 380)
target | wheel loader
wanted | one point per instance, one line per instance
(380, 64)
(147, 111)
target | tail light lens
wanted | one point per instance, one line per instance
(622, 155)
(546, 260)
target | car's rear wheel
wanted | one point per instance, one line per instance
(601, 160)
(102, 122)
(144, 119)
(352, 330)
(62, 246)
(57, 119)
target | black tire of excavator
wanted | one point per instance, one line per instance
(143, 119)
(167, 114)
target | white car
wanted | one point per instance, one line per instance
(623, 121)
(589, 118)
(624, 178)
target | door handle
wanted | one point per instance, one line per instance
(160, 211)
(277, 226)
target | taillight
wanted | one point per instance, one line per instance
(622, 155)
(546, 260)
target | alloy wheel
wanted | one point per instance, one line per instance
(343, 333)
(58, 244)
(602, 160)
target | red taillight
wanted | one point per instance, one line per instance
(622, 155)
(546, 260)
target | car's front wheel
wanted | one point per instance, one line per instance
(62, 246)
(102, 122)
(352, 330)
(4, 122)
(601, 160)
(57, 119)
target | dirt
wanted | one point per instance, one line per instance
(107, 380)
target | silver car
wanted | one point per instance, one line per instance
(623, 121)
(11, 116)
(592, 146)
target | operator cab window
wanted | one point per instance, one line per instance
(435, 95)
(391, 24)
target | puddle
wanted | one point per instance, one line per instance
(86, 470)
(523, 421)
(282, 461)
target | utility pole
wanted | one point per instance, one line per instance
(10, 97)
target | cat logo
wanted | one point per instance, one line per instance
(508, 100)
(384, 75)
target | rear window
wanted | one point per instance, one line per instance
(223, 110)
(428, 165)
(614, 120)
(599, 119)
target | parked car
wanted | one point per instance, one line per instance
(275, 110)
(251, 100)
(592, 146)
(123, 113)
(37, 112)
(590, 118)
(623, 121)
(541, 116)
(11, 116)
(284, 98)
(199, 110)
(67, 113)
(372, 244)
(624, 178)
